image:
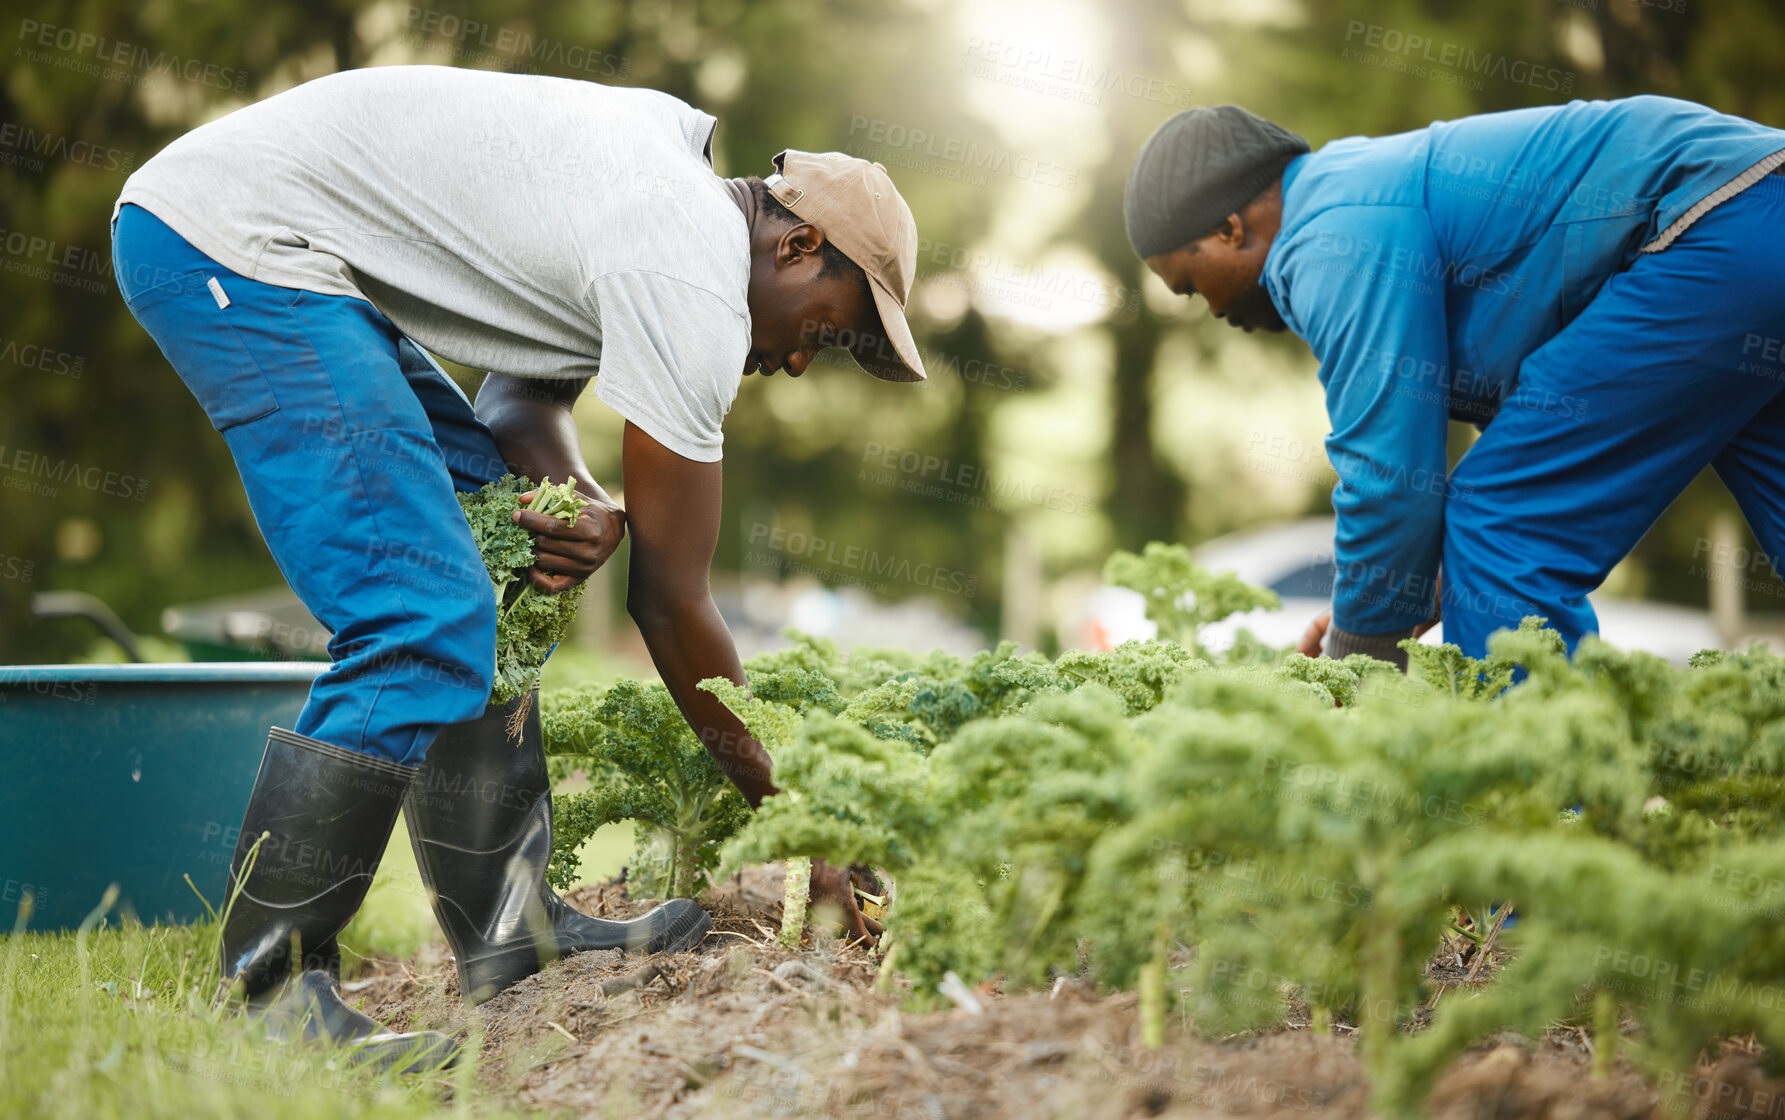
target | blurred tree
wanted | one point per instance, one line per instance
(779, 74)
(86, 95)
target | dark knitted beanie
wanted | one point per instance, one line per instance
(1199, 167)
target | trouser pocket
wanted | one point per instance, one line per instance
(187, 318)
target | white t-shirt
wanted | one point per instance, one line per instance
(541, 227)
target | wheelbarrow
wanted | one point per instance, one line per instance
(130, 774)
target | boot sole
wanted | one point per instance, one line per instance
(312, 1013)
(421, 1052)
(482, 978)
(686, 932)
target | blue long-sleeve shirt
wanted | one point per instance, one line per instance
(1422, 268)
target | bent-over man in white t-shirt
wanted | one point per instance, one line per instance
(297, 261)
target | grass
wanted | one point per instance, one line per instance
(121, 1023)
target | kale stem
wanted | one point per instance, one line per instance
(503, 617)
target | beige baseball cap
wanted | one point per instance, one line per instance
(856, 205)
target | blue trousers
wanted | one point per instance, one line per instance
(350, 441)
(1678, 363)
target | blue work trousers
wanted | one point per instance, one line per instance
(1677, 363)
(350, 441)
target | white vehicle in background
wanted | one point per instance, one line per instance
(1296, 561)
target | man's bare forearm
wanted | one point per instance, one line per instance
(689, 643)
(534, 428)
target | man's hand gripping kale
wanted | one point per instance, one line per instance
(533, 426)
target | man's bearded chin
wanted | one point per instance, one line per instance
(1253, 308)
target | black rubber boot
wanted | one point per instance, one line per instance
(329, 812)
(480, 819)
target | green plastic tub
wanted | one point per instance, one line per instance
(130, 774)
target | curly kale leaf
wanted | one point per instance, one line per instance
(1332, 682)
(925, 704)
(1141, 673)
(773, 724)
(804, 690)
(1448, 669)
(1079, 817)
(847, 796)
(505, 547)
(528, 622)
(645, 765)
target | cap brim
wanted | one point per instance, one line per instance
(903, 364)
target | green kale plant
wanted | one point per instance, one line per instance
(529, 622)
(1309, 828)
(1312, 830)
(644, 765)
(1182, 596)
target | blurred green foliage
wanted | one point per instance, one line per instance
(1129, 411)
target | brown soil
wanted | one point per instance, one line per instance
(741, 1027)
